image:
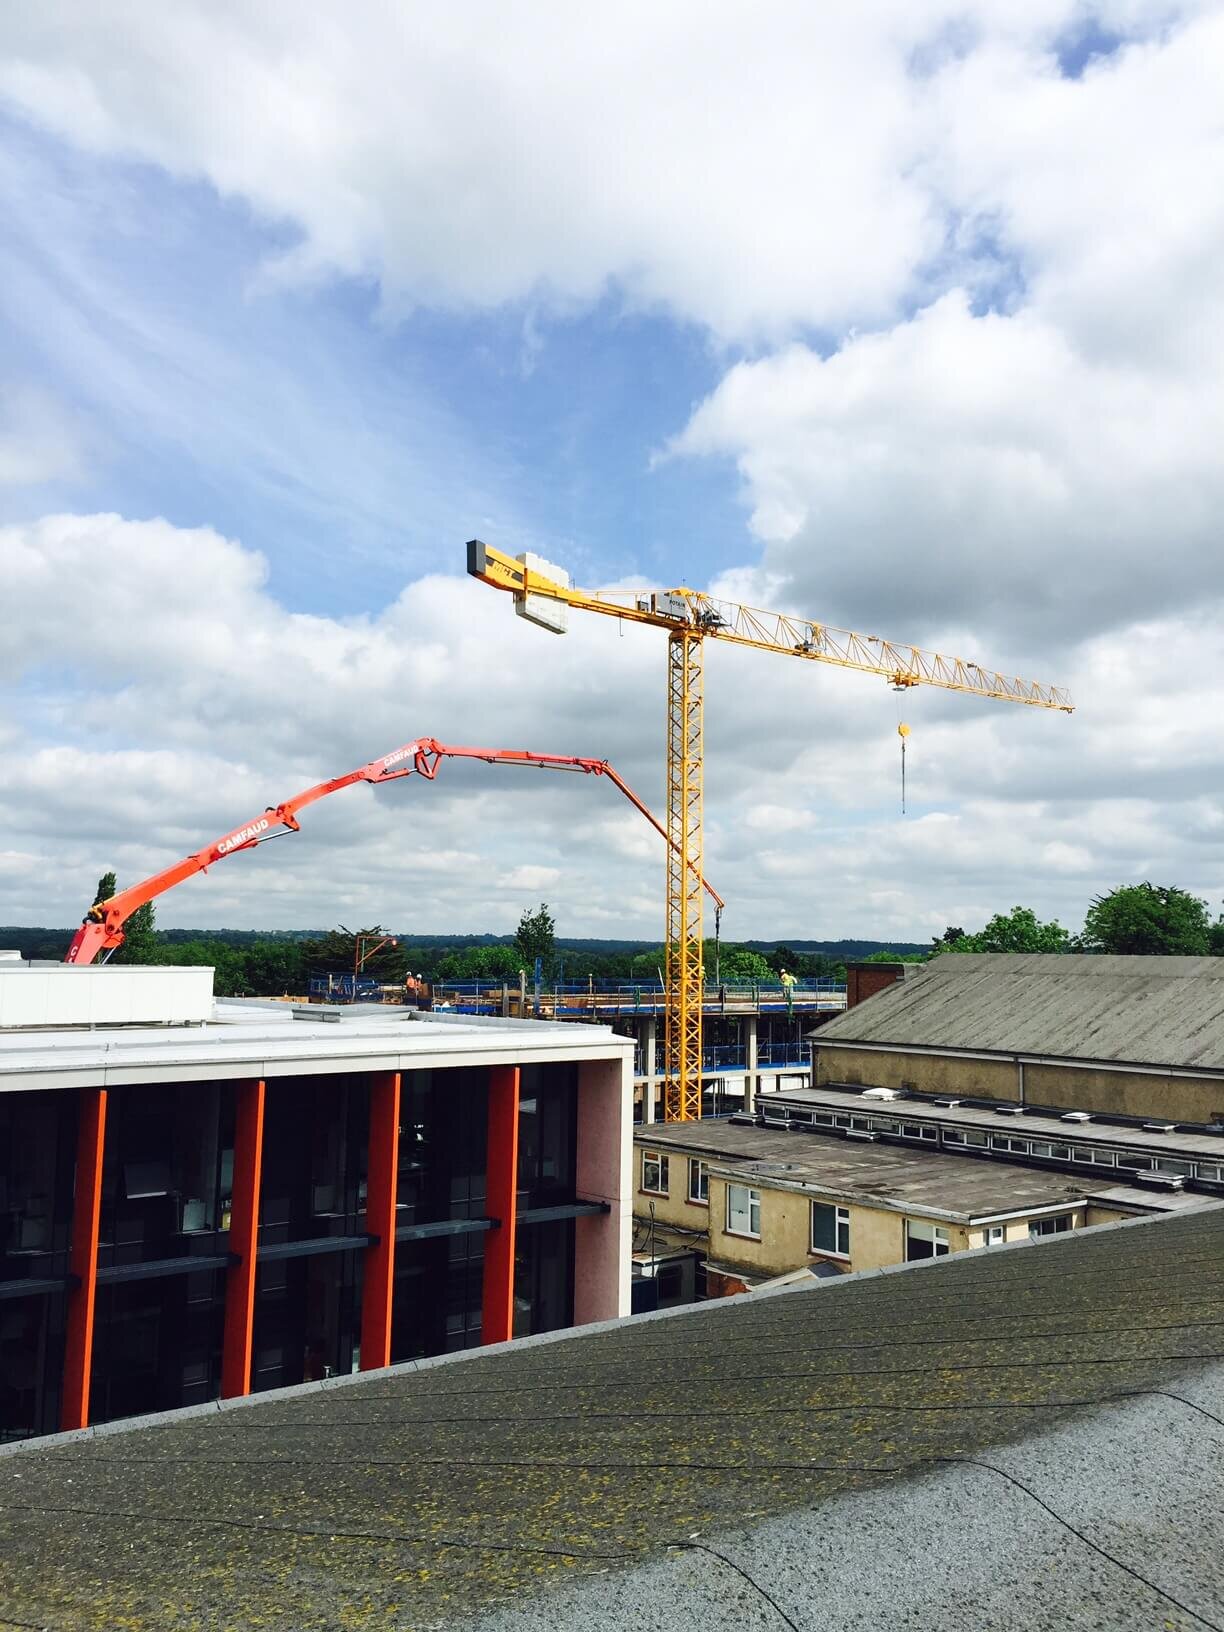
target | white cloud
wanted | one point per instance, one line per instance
(992, 423)
(752, 171)
(166, 716)
(528, 877)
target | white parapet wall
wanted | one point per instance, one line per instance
(103, 995)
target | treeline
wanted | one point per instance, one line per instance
(251, 964)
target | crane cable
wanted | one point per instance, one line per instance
(903, 732)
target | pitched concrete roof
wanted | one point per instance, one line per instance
(1144, 1011)
(902, 1177)
(1019, 1437)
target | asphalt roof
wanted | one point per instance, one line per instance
(899, 1176)
(1149, 1011)
(1015, 1437)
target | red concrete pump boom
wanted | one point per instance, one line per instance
(102, 929)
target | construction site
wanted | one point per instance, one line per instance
(206, 1198)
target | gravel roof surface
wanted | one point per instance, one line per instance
(900, 1448)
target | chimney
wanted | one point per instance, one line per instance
(864, 980)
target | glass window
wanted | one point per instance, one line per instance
(971, 1137)
(924, 1241)
(1001, 1141)
(1166, 1164)
(1061, 1153)
(1209, 1171)
(1041, 1147)
(830, 1229)
(1051, 1226)
(698, 1182)
(1102, 1158)
(654, 1172)
(823, 1119)
(995, 1234)
(743, 1210)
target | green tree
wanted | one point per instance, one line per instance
(949, 937)
(337, 952)
(106, 888)
(735, 962)
(480, 963)
(536, 937)
(139, 938)
(1151, 919)
(784, 957)
(1019, 930)
(885, 956)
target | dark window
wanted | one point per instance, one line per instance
(165, 1178)
(547, 1128)
(924, 1241)
(544, 1277)
(830, 1229)
(442, 1154)
(37, 1155)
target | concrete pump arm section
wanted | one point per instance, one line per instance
(543, 594)
(102, 929)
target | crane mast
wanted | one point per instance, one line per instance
(543, 594)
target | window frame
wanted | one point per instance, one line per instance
(753, 1209)
(702, 1198)
(660, 1159)
(841, 1221)
(940, 1240)
(994, 1235)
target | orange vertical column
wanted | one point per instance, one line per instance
(243, 1242)
(501, 1187)
(83, 1258)
(378, 1275)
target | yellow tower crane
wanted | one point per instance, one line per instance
(543, 594)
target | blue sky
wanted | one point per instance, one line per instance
(330, 434)
(845, 313)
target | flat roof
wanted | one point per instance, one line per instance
(1010, 1438)
(896, 1177)
(269, 1040)
(1097, 1130)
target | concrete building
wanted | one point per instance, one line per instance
(198, 1200)
(1017, 1438)
(758, 1202)
(1130, 1036)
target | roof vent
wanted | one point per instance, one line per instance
(1009, 1110)
(745, 1120)
(880, 1093)
(1159, 1127)
(1160, 1181)
(866, 1138)
(1075, 1116)
(948, 1103)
